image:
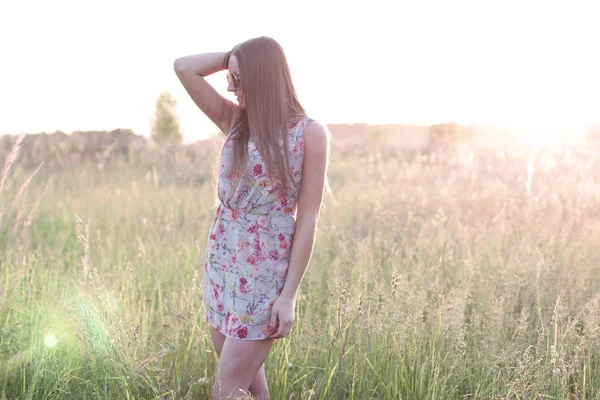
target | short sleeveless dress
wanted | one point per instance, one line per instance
(250, 238)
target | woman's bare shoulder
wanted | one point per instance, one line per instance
(316, 131)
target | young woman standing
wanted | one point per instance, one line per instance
(272, 172)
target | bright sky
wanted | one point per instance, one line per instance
(100, 65)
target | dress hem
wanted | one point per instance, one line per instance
(235, 337)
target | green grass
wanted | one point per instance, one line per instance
(461, 277)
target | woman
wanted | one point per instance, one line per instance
(270, 187)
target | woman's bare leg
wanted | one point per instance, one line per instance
(259, 387)
(239, 365)
(218, 339)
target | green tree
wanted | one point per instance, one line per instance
(165, 125)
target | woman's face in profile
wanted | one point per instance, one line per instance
(234, 83)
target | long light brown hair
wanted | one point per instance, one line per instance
(271, 103)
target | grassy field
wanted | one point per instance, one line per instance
(467, 276)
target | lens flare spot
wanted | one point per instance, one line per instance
(50, 340)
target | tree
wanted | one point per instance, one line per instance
(165, 125)
(448, 135)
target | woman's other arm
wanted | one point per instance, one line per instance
(314, 170)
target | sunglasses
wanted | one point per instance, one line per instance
(233, 79)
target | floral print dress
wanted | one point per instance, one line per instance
(249, 241)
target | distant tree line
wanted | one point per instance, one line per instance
(446, 135)
(165, 131)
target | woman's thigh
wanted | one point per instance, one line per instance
(218, 339)
(241, 360)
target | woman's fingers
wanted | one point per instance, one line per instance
(273, 322)
(280, 331)
(283, 331)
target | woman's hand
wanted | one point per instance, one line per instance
(282, 315)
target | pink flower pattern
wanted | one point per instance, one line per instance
(250, 239)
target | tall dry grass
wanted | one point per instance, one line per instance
(440, 276)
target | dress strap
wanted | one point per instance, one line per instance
(305, 121)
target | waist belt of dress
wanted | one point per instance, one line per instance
(277, 219)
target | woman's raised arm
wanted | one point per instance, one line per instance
(191, 71)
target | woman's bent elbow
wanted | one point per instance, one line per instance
(179, 66)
